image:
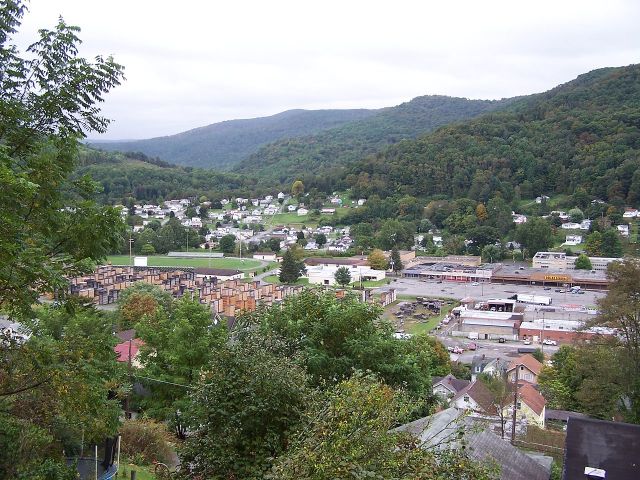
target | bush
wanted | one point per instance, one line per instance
(147, 440)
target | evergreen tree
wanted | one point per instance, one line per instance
(290, 268)
(396, 262)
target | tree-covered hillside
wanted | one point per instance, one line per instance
(224, 144)
(290, 157)
(583, 136)
(147, 179)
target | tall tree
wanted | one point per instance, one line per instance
(611, 245)
(49, 226)
(535, 235)
(228, 243)
(290, 268)
(377, 260)
(243, 412)
(343, 276)
(396, 261)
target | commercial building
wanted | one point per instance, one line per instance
(325, 274)
(490, 325)
(560, 261)
(561, 331)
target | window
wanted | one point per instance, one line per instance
(466, 398)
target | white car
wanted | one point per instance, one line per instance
(527, 342)
(546, 341)
(475, 284)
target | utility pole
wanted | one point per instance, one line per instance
(130, 249)
(515, 406)
(127, 410)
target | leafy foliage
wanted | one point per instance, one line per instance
(248, 401)
(290, 268)
(146, 439)
(349, 435)
(49, 226)
(343, 276)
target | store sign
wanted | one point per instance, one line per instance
(557, 278)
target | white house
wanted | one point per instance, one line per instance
(302, 212)
(542, 198)
(328, 211)
(281, 195)
(325, 274)
(623, 230)
(630, 213)
(361, 201)
(437, 240)
(573, 240)
(585, 224)
(571, 226)
(292, 208)
(519, 219)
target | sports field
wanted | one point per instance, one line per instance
(164, 261)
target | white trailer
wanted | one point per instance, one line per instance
(533, 299)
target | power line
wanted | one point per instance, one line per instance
(164, 381)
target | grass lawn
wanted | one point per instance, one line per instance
(417, 328)
(142, 473)
(413, 326)
(163, 261)
(275, 280)
(289, 218)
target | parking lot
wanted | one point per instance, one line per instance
(460, 290)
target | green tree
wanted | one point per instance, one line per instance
(343, 276)
(535, 235)
(611, 245)
(377, 260)
(396, 262)
(593, 245)
(491, 253)
(50, 228)
(243, 412)
(147, 249)
(482, 236)
(583, 262)
(576, 215)
(333, 337)
(55, 390)
(177, 345)
(274, 245)
(321, 239)
(228, 243)
(297, 189)
(350, 435)
(291, 269)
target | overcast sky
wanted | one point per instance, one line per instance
(190, 64)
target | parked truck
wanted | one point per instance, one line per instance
(533, 299)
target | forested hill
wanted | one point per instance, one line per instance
(151, 179)
(223, 144)
(583, 136)
(289, 158)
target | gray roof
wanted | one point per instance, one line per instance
(445, 429)
(451, 381)
(610, 446)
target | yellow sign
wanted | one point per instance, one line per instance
(557, 278)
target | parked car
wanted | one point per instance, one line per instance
(581, 292)
(475, 284)
(559, 290)
(501, 340)
(450, 349)
(547, 341)
(473, 346)
(547, 288)
(457, 350)
(527, 342)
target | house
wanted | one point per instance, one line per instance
(585, 224)
(325, 274)
(570, 226)
(292, 208)
(519, 219)
(267, 256)
(280, 196)
(496, 367)
(302, 212)
(448, 386)
(630, 213)
(542, 198)
(361, 201)
(600, 449)
(623, 230)
(328, 211)
(129, 350)
(452, 429)
(475, 397)
(528, 369)
(573, 240)
(196, 222)
(437, 240)
(531, 405)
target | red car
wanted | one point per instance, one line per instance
(473, 346)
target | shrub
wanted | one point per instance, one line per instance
(146, 439)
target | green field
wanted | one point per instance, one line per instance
(275, 280)
(245, 265)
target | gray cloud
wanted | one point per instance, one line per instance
(201, 62)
